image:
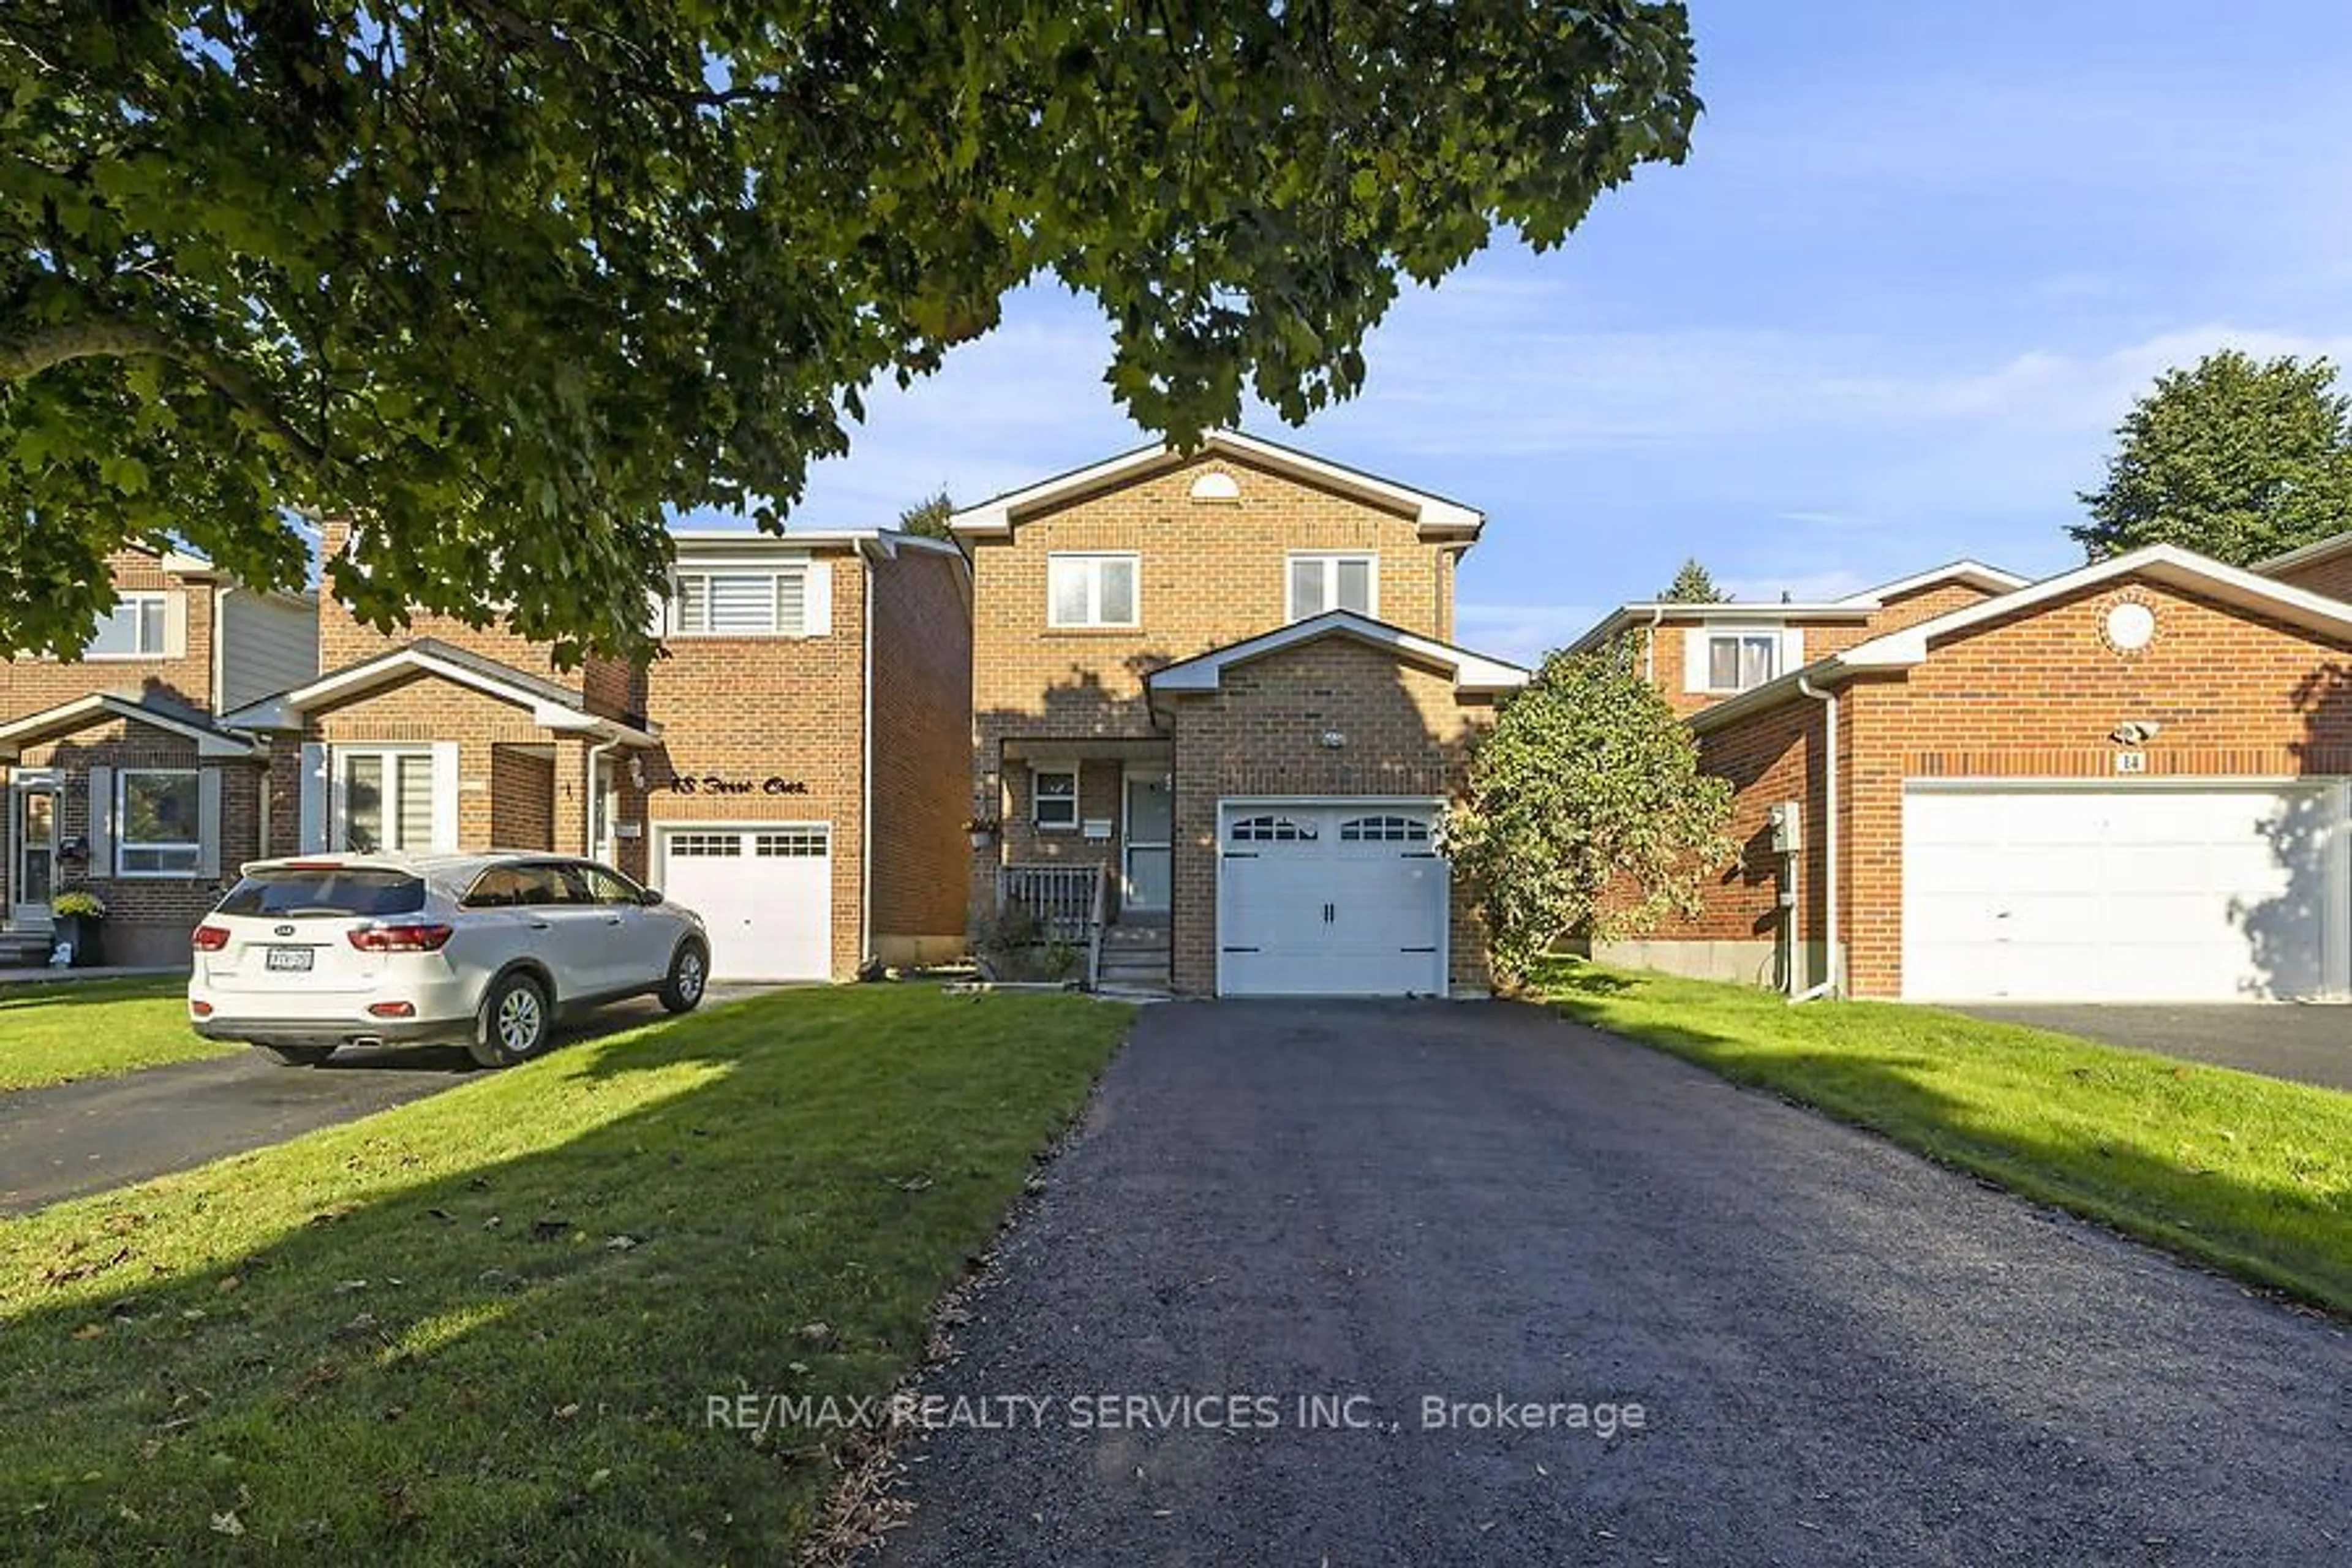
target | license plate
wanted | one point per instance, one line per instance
(288, 958)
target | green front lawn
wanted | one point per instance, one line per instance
(2247, 1173)
(488, 1326)
(55, 1031)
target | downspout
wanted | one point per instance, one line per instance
(866, 776)
(1828, 829)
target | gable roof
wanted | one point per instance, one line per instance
(1975, 573)
(212, 739)
(1436, 516)
(1857, 607)
(2311, 554)
(1471, 672)
(2166, 563)
(552, 706)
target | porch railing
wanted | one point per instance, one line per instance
(1070, 904)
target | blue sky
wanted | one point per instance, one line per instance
(1919, 263)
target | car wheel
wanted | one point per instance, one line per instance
(513, 1022)
(301, 1056)
(690, 972)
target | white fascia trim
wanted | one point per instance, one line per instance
(1652, 613)
(1472, 671)
(209, 743)
(1434, 514)
(285, 710)
(2166, 563)
(1974, 573)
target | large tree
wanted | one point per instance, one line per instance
(929, 517)
(501, 279)
(1586, 812)
(2236, 458)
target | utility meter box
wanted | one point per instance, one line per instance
(1786, 823)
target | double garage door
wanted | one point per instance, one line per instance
(764, 891)
(1330, 899)
(2126, 893)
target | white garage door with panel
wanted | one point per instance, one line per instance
(1330, 899)
(764, 891)
(2154, 893)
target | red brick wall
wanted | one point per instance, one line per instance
(2035, 696)
(1407, 734)
(751, 708)
(425, 707)
(2331, 576)
(31, 685)
(608, 685)
(922, 747)
(522, 799)
(1823, 637)
(148, 918)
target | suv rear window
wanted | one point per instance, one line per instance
(335, 893)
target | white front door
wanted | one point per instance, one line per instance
(1330, 899)
(2146, 892)
(33, 831)
(765, 893)
(1147, 826)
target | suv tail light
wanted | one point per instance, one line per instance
(209, 937)
(401, 936)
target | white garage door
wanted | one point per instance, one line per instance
(1345, 899)
(2124, 893)
(765, 893)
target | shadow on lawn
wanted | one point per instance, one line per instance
(512, 1360)
(2297, 1238)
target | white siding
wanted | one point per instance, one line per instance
(266, 645)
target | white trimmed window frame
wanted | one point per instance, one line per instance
(1326, 579)
(1039, 774)
(125, 846)
(1060, 564)
(138, 602)
(389, 761)
(678, 622)
(1772, 642)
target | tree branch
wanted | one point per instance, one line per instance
(26, 354)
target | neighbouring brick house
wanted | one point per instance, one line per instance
(2131, 781)
(791, 767)
(119, 777)
(1216, 692)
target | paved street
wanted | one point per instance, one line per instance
(1843, 1353)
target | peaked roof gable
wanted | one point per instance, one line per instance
(552, 706)
(1975, 573)
(1471, 672)
(211, 738)
(1435, 515)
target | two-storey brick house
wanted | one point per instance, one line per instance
(2128, 782)
(790, 766)
(1217, 690)
(119, 777)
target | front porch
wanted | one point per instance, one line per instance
(1085, 848)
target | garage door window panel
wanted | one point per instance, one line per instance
(1272, 830)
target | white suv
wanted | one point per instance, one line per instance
(485, 950)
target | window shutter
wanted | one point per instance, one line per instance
(313, 815)
(102, 822)
(817, 600)
(1793, 649)
(445, 794)
(175, 626)
(208, 823)
(1694, 658)
(656, 617)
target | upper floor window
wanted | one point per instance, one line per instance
(134, 628)
(1320, 582)
(1091, 590)
(740, 603)
(1737, 660)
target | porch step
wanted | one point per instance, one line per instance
(24, 949)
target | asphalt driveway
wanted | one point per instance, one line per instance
(2307, 1044)
(76, 1139)
(1843, 1353)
